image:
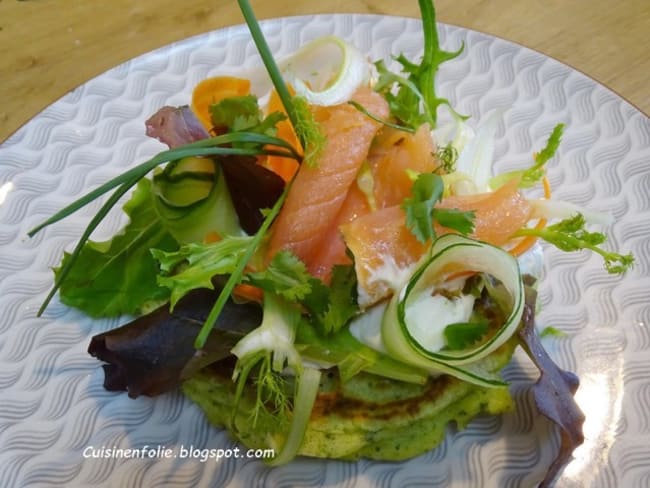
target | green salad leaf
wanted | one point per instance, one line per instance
(194, 265)
(118, 276)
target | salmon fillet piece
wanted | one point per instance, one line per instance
(381, 240)
(392, 155)
(317, 193)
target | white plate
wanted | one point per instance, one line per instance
(53, 404)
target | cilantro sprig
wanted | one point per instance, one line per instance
(330, 307)
(242, 113)
(571, 235)
(421, 212)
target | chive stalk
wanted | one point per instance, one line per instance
(213, 146)
(269, 63)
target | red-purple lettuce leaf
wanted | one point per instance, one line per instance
(155, 352)
(553, 392)
(175, 126)
(252, 189)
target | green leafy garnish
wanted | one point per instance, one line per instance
(269, 348)
(330, 307)
(551, 332)
(195, 264)
(342, 303)
(570, 235)
(387, 123)
(411, 97)
(286, 276)
(447, 155)
(352, 356)
(235, 113)
(302, 120)
(242, 113)
(420, 209)
(118, 276)
(531, 176)
(464, 334)
(309, 132)
(213, 146)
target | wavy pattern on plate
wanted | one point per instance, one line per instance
(54, 406)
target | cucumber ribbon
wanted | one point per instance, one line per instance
(452, 254)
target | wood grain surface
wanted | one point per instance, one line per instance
(48, 47)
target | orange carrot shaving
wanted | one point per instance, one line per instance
(248, 292)
(285, 167)
(213, 90)
(529, 241)
(211, 237)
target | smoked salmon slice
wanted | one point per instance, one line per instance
(318, 193)
(392, 155)
(383, 247)
(332, 250)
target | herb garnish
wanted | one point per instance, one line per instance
(412, 98)
(571, 235)
(420, 209)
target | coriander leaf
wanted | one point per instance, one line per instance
(570, 235)
(463, 334)
(286, 276)
(195, 264)
(317, 301)
(420, 209)
(242, 114)
(268, 125)
(235, 113)
(342, 299)
(452, 218)
(118, 276)
(427, 190)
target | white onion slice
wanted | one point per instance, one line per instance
(327, 71)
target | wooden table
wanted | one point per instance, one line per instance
(48, 47)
